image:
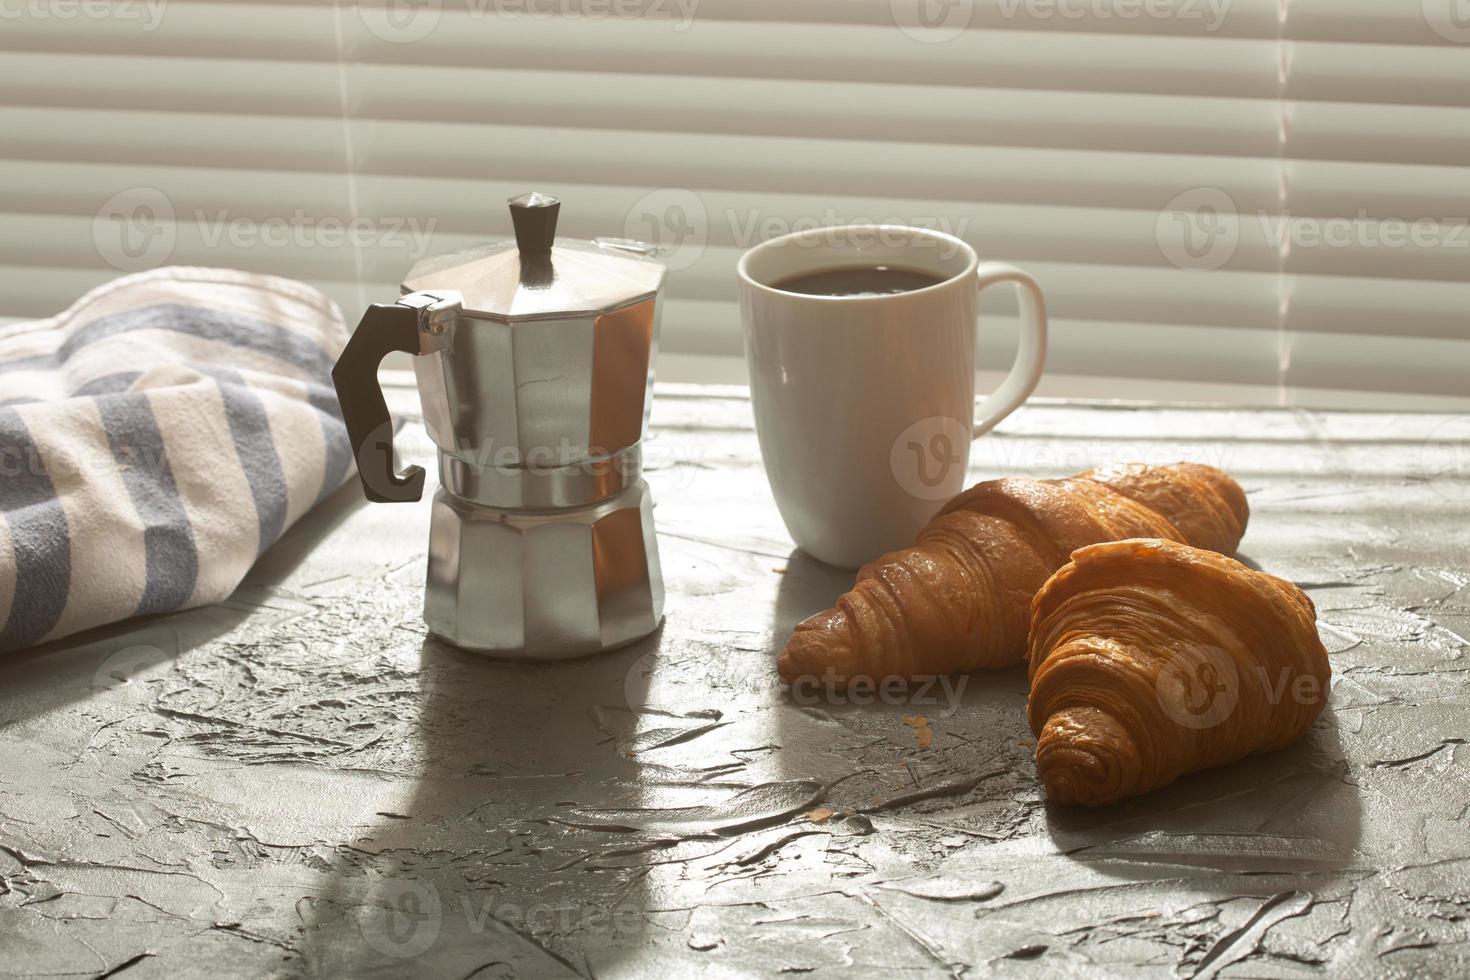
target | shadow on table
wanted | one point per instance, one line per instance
(500, 861)
(937, 749)
(1249, 562)
(807, 587)
(555, 810)
(1291, 811)
(49, 677)
(547, 811)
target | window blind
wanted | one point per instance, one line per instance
(1243, 200)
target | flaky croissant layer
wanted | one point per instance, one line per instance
(960, 598)
(1150, 659)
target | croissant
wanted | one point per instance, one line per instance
(1150, 659)
(960, 599)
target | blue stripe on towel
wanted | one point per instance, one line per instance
(322, 398)
(38, 533)
(194, 321)
(334, 432)
(107, 384)
(250, 428)
(171, 555)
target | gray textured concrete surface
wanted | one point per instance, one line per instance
(299, 782)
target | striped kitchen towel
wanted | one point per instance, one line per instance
(155, 439)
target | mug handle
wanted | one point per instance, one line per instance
(1030, 358)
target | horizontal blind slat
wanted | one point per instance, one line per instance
(1374, 74)
(451, 211)
(1420, 365)
(81, 80)
(1354, 133)
(1144, 294)
(1368, 306)
(1081, 347)
(128, 119)
(550, 154)
(1205, 65)
(1235, 18)
(1423, 23)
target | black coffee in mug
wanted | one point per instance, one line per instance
(858, 280)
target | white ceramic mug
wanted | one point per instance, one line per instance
(865, 405)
